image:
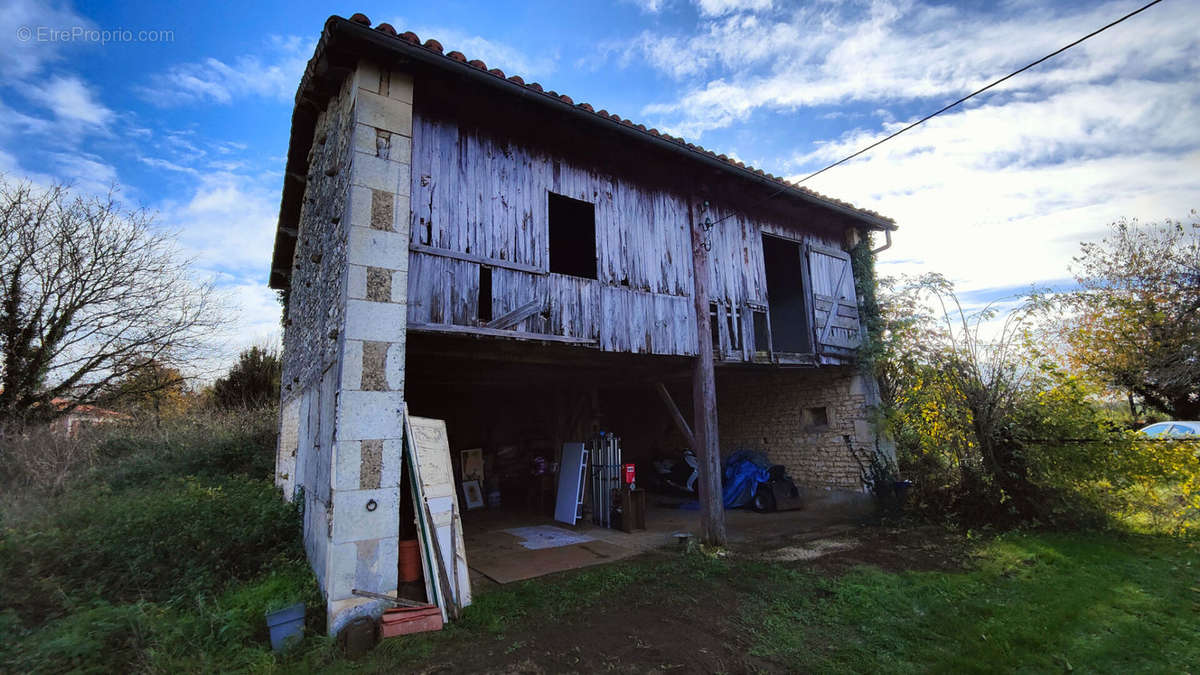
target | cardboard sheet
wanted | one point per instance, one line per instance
(500, 557)
(547, 536)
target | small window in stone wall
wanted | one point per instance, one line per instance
(815, 418)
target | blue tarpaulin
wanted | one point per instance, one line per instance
(744, 471)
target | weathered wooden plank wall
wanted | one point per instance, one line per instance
(478, 195)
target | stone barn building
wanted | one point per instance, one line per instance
(532, 269)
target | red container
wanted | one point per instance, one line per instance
(629, 474)
(406, 620)
(410, 560)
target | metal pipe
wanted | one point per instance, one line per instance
(886, 246)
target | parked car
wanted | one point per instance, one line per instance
(1171, 429)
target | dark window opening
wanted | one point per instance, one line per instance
(816, 418)
(790, 330)
(485, 294)
(762, 337)
(572, 237)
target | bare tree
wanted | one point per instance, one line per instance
(89, 294)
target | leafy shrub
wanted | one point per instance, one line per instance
(163, 555)
(993, 432)
(252, 382)
(213, 633)
(104, 638)
(209, 446)
(156, 544)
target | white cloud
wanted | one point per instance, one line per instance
(73, 104)
(275, 75)
(494, 54)
(18, 123)
(1001, 195)
(894, 51)
(649, 6)
(998, 193)
(88, 174)
(723, 7)
(22, 54)
(227, 223)
(167, 165)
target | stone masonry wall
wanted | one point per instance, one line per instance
(368, 440)
(770, 412)
(311, 340)
(342, 394)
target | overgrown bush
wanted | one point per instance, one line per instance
(252, 382)
(993, 432)
(209, 444)
(43, 458)
(162, 556)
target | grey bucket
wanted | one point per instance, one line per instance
(285, 624)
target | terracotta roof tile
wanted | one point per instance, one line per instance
(436, 47)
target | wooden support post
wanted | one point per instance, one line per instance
(677, 416)
(704, 394)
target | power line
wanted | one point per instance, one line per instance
(961, 100)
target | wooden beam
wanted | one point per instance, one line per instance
(704, 392)
(516, 316)
(676, 416)
(482, 260)
(448, 329)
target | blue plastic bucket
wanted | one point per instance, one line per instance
(285, 624)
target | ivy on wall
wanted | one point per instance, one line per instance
(862, 264)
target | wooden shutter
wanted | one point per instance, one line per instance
(835, 307)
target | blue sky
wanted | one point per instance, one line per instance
(996, 195)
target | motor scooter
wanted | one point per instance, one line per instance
(677, 475)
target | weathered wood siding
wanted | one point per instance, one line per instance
(738, 276)
(481, 200)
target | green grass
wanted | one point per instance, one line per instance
(1031, 602)
(1026, 602)
(165, 556)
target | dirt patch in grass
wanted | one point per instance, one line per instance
(834, 550)
(676, 613)
(648, 626)
(925, 549)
